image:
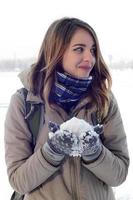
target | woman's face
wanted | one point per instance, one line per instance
(79, 58)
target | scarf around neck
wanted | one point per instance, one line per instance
(68, 90)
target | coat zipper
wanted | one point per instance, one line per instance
(75, 179)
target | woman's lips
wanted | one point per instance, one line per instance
(85, 67)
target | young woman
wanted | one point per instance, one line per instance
(70, 79)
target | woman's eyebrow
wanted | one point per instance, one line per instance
(83, 45)
(79, 44)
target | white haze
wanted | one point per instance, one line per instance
(23, 24)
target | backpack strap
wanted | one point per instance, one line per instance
(32, 115)
(95, 121)
(17, 196)
(33, 122)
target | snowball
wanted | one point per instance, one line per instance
(76, 126)
(80, 132)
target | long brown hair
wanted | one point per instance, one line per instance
(56, 41)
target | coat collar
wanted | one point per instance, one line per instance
(24, 78)
(33, 98)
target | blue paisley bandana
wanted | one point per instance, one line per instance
(68, 90)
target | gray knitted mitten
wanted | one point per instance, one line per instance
(60, 141)
(91, 144)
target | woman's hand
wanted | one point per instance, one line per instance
(91, 145)
(61, 141)
(83, 140)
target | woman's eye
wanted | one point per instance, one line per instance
(93, 51)
(79, 49)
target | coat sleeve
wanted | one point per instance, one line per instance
(112, 165)
(26, 170)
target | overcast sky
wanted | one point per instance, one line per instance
(23, 24)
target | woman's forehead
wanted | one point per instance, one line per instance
(82, 36)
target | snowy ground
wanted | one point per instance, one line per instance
(122, 87)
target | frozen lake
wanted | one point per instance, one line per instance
(122, 87)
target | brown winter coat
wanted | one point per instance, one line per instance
(30, 173)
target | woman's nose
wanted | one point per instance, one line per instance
(88, 57)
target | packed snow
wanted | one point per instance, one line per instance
(79, 135)
(76, 126)
(122, 88)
